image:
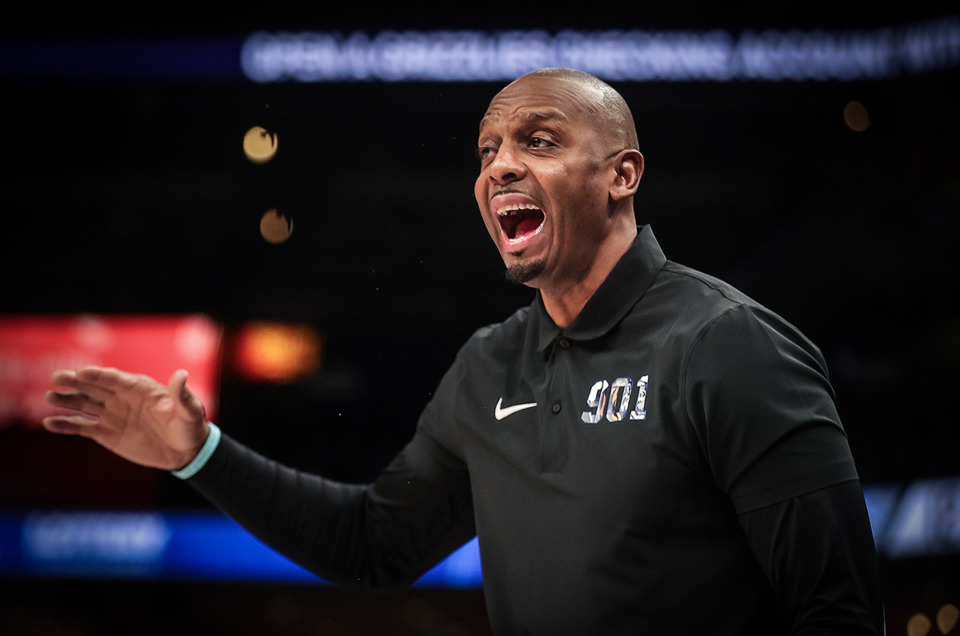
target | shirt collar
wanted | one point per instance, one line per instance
(615, 297)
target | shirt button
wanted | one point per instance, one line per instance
(564, 343)
(556, 407)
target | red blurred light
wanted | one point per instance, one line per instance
(32, 347)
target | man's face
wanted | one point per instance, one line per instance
(543, 184)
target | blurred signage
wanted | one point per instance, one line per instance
(620, 55)
(713, 55)
(171, 545)
(93, 543)
(33, 347)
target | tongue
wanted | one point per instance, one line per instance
(527, 226)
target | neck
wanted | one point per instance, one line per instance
(565, 302)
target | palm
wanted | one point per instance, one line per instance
(131, 415)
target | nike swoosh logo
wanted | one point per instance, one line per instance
(501, 412)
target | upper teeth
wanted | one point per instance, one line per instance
(514, 208)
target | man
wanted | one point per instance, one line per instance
(643, 450)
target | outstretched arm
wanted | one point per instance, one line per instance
(131, 415)
(383, 535)
(379, 536)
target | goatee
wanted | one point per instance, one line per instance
(525, 272)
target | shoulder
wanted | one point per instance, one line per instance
(707, 303)
(688, 285)
(682, 305)
(711, 326)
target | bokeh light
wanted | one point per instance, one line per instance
(856, 117)
(918, 625)
(947, 618)
(277, 352)
(260, 145)
(275, 227)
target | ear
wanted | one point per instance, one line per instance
(629, 169)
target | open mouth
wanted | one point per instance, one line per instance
(519, 221)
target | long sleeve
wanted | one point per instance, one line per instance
(818, 552)
(382, 535)
(765, 416)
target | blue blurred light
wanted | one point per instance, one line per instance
(172, 545)
(478, 56)
(630, 55)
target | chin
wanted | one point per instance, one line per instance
(524, 272)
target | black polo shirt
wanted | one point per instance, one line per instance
(608, 462)
(620, 474)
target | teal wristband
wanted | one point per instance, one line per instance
(200, 460)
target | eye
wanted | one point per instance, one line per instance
(539, 142)
(486, 152)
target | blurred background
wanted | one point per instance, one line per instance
(283, 205)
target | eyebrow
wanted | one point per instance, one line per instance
(531, 116)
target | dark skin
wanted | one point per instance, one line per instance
(131, 415)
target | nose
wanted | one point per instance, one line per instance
(506, 167)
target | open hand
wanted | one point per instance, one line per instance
(131, 415)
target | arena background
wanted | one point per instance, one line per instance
(128, 194)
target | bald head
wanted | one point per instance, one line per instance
(607, 106)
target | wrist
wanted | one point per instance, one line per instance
(204, 454)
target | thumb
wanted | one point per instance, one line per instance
(178, 389)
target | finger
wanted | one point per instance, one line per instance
(71, 425)
(74, 400)
(64, 377)
(75, 380)
(110, 379)
(178, 387)
(178, 383)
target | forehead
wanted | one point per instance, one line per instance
(534, 98)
